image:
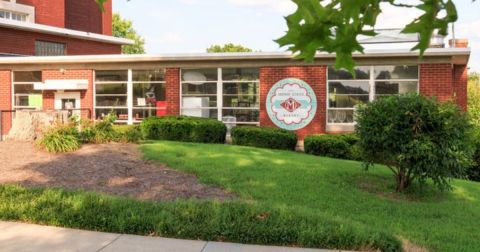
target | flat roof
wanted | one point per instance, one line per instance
(458, 56)
(63, 32)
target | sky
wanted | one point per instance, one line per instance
(191, 26)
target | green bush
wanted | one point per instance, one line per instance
(100, 131)
(263, 137)
(184, 129)
(416, 137)
(128, 133)
(206, 220)
(334, 146)
(62, 138)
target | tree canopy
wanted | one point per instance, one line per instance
(228, 48)
(123, 28)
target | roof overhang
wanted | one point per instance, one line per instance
(256, 59)
(45, 29)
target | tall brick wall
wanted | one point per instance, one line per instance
(86, 16)
(86, 96)
(22, 42)
(172, 87)
(5, 99)
(51, 12)
(315, 76)
(461, 83)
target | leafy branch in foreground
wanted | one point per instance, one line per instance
(334, 26)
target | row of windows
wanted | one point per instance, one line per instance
(230, 95)
(13, 15)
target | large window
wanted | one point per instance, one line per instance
(346, 91)
(25, 96)
(230, 95)
(4, 14)
(45, 48)
(131, 94)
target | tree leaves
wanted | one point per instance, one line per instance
(334, 26)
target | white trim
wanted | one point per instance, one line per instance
(120, 58)
(59, 95)
(130, 97)
(45, 29)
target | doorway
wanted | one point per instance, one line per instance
(68, 101)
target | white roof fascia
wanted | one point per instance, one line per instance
(122, 58)
(46, 29)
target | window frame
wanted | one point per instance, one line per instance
(372, 93)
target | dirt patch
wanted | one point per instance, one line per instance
(109, 168)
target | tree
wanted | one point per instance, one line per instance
(334, 26)
(123, 28)
(228, 48)
(416, 137)
(474, 98)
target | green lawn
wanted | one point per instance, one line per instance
(335, 189)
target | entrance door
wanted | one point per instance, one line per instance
(68, 101)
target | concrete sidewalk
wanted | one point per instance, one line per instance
(19, 237)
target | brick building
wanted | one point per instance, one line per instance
(56, 27)
(267, 89)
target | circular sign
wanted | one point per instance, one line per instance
(291, 104)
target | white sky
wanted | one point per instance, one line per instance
(182, 26)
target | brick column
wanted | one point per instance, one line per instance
(6, 99)
(461, 83)
(315, 76)
(437, 80)
(172, 89)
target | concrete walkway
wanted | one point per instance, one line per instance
(19, 237)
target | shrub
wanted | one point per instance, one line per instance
(61, 138)
(128, 133)
(334, 146)
(263, 137)
(99, 132)
(184, 129)
(416, 137)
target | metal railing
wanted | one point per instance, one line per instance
(14, 111)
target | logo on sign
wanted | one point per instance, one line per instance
(291, 104)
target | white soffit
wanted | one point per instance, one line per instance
(62, 85)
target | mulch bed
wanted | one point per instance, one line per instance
(116, 169)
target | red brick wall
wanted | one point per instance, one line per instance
(172, 87)
(5, 99)
(461, 82)
(86, 16)
(85, 95)
(22, 42)
(51, 12)
(436, 80)
(315, 76)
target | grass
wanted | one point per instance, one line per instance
(334, 189)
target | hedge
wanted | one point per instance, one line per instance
(263, 137)
(334, 146)
(184, 129)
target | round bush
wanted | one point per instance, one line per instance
(184, 129)
(60, 139)
(263, 137)
(416, 137)
(334, 146)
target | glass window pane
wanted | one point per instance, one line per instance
(341, 116)
(111, 101)
(240, 74)
(205, 113)
(349, 87)
(26, 96)
(347, 101)
(199, 102)
(396, 72)
(241, 115)
(361, 73)
(199, 75)
(111, 89)
(199, 89)
(395, 88)
(246, 88)
(148, 75)
(27, 76)
(122, 114)
(241, 101)
(140, 114)
(111, 75)
(147, 94)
